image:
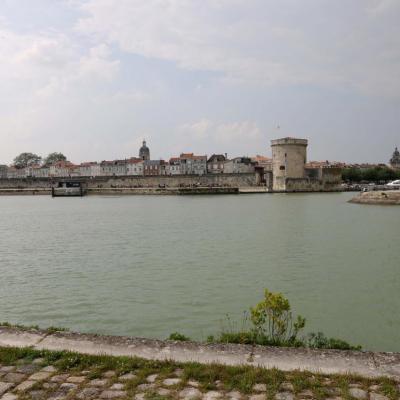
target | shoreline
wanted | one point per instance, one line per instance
(159, 191)
(367, 364)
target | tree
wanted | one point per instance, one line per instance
(26, 159)
(54, 157)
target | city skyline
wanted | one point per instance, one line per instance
(91, 79)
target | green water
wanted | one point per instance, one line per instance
(148, 266)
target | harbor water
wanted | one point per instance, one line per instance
(151, 265)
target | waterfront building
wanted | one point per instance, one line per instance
(135, 166)
(39, 171)
(3, 171)
(16, 173)
(215, 164)
(193, 165)
(144, 152)
(113, 168)
(90, 169)
(173, 166)
(395, 160)
(239, 165)
(154, 167)
(263, 161)
(63, 169)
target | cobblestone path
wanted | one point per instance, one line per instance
(36, 379)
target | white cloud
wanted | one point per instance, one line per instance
(260, 41)
(243, 137)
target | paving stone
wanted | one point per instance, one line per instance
(37, 394)
(98, 382)
(140, 396)
(146, 386)
(9, 396)
(4, 386)
(190, 393)
(14, 377)
(287, 387)
(193, 383)
(50, 385)
(8, 368)
(127, 377)
(333, 391)
(260, 387)
(27, 369)
(284, 396)
(86, 372)
(88, 393)
(67, 387)
(109, 374)
(234, 395)
(163, 392)
(22, 387)
(358, 394)
(334, 398)
(56, 396)
(211, 395)
(59, 378)
(375, 388)
(40, 376)
(257, 397)
(152, 378)
(112, 394)
(76, 379)
(306, 394)
(49, 368)
(117, 386)
(377, 396)
(171, 381)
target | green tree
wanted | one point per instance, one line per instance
(26, 159)
(54, 157)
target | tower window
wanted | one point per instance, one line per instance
(282, 168)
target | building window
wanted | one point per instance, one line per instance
(282, 168)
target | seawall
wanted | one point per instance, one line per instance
(163, 185)
(368, 364)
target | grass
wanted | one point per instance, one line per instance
(50, 329)
(241, 378)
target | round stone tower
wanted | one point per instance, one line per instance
(144, 152)
(289, 156)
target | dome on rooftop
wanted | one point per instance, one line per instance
(144, 152)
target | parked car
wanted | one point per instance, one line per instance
(395, 183)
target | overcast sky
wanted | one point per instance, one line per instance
(93, 78)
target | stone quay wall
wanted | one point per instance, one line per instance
(176, 181)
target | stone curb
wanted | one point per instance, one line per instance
(368, 364)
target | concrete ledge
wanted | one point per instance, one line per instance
(366, 364)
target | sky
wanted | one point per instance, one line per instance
(93, 78)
